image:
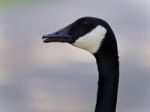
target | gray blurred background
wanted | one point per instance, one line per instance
(38, 77)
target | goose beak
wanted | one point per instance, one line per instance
(58, 36)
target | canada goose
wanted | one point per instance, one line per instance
(95, 36)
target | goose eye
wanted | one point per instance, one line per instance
(85, 24)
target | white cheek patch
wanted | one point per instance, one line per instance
(91, 41)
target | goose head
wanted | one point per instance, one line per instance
(86, 33)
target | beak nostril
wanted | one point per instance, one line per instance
(57, 33)
(60, 32)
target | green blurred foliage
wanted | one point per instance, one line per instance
(19, 3)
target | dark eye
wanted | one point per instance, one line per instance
(81, 28)
(85, 24)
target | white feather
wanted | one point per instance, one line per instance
(92, 40)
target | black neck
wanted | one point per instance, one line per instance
(108, 67)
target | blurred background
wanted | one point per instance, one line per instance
(39, 77)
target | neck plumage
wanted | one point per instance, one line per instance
(108, 67)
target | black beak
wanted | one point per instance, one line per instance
(58, 36)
